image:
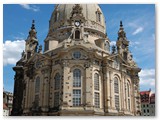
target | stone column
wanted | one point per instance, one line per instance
(67, 85)
(89, 88)
(107, 90)
(122, 92)
(111, 90)
(45, 94)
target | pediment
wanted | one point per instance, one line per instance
(120, 59)
(38, 57)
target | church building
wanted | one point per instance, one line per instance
(78, 73)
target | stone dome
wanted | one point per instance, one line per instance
(92, 14)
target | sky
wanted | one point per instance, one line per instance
(138, 21)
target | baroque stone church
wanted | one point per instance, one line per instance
(77, 74)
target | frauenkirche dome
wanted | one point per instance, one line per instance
(76, 22)
(91, 13)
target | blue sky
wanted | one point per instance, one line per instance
(138, 21)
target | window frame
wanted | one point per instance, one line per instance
(96, 99)
(116, 86)
(77, 98)
(76, 54)
(56, 99)
(77, 34)
(98, 16)
(96, 81)
(57, 81)
(37, 85)
(116, 93)
(128, 95)
(77, 77)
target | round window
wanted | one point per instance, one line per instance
(76, 54)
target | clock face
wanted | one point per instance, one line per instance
(123, 46)
(77, 23)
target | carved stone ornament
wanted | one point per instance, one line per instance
(77, 10)
(38, 64)
(30, 71)
(65, 64)
(87, 65)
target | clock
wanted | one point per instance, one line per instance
(77, 23)
(123, 46)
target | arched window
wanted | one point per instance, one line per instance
(116, 93)
(76, 78)
(128, 95)
(57, 81)
(56, 17)
(96, 81)
(96, 93)
(116, 87)
(99, 17)
(128, 90)
(77, 34)
(37, 85)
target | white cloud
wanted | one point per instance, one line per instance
(138, 30)
(112, 43)
(132, 43)
(147, 78)
(30, 7)
(12, 51)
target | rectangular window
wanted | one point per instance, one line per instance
(56, 99)
(76, 97)
(96, 100)
(57, 79)
(129, 104)
(99, 17)
(117, 101)
(116, 88)
(37, 85)
(147, 110)
(144, 111)
(77, 78)
(36, 100)
(96, 81)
